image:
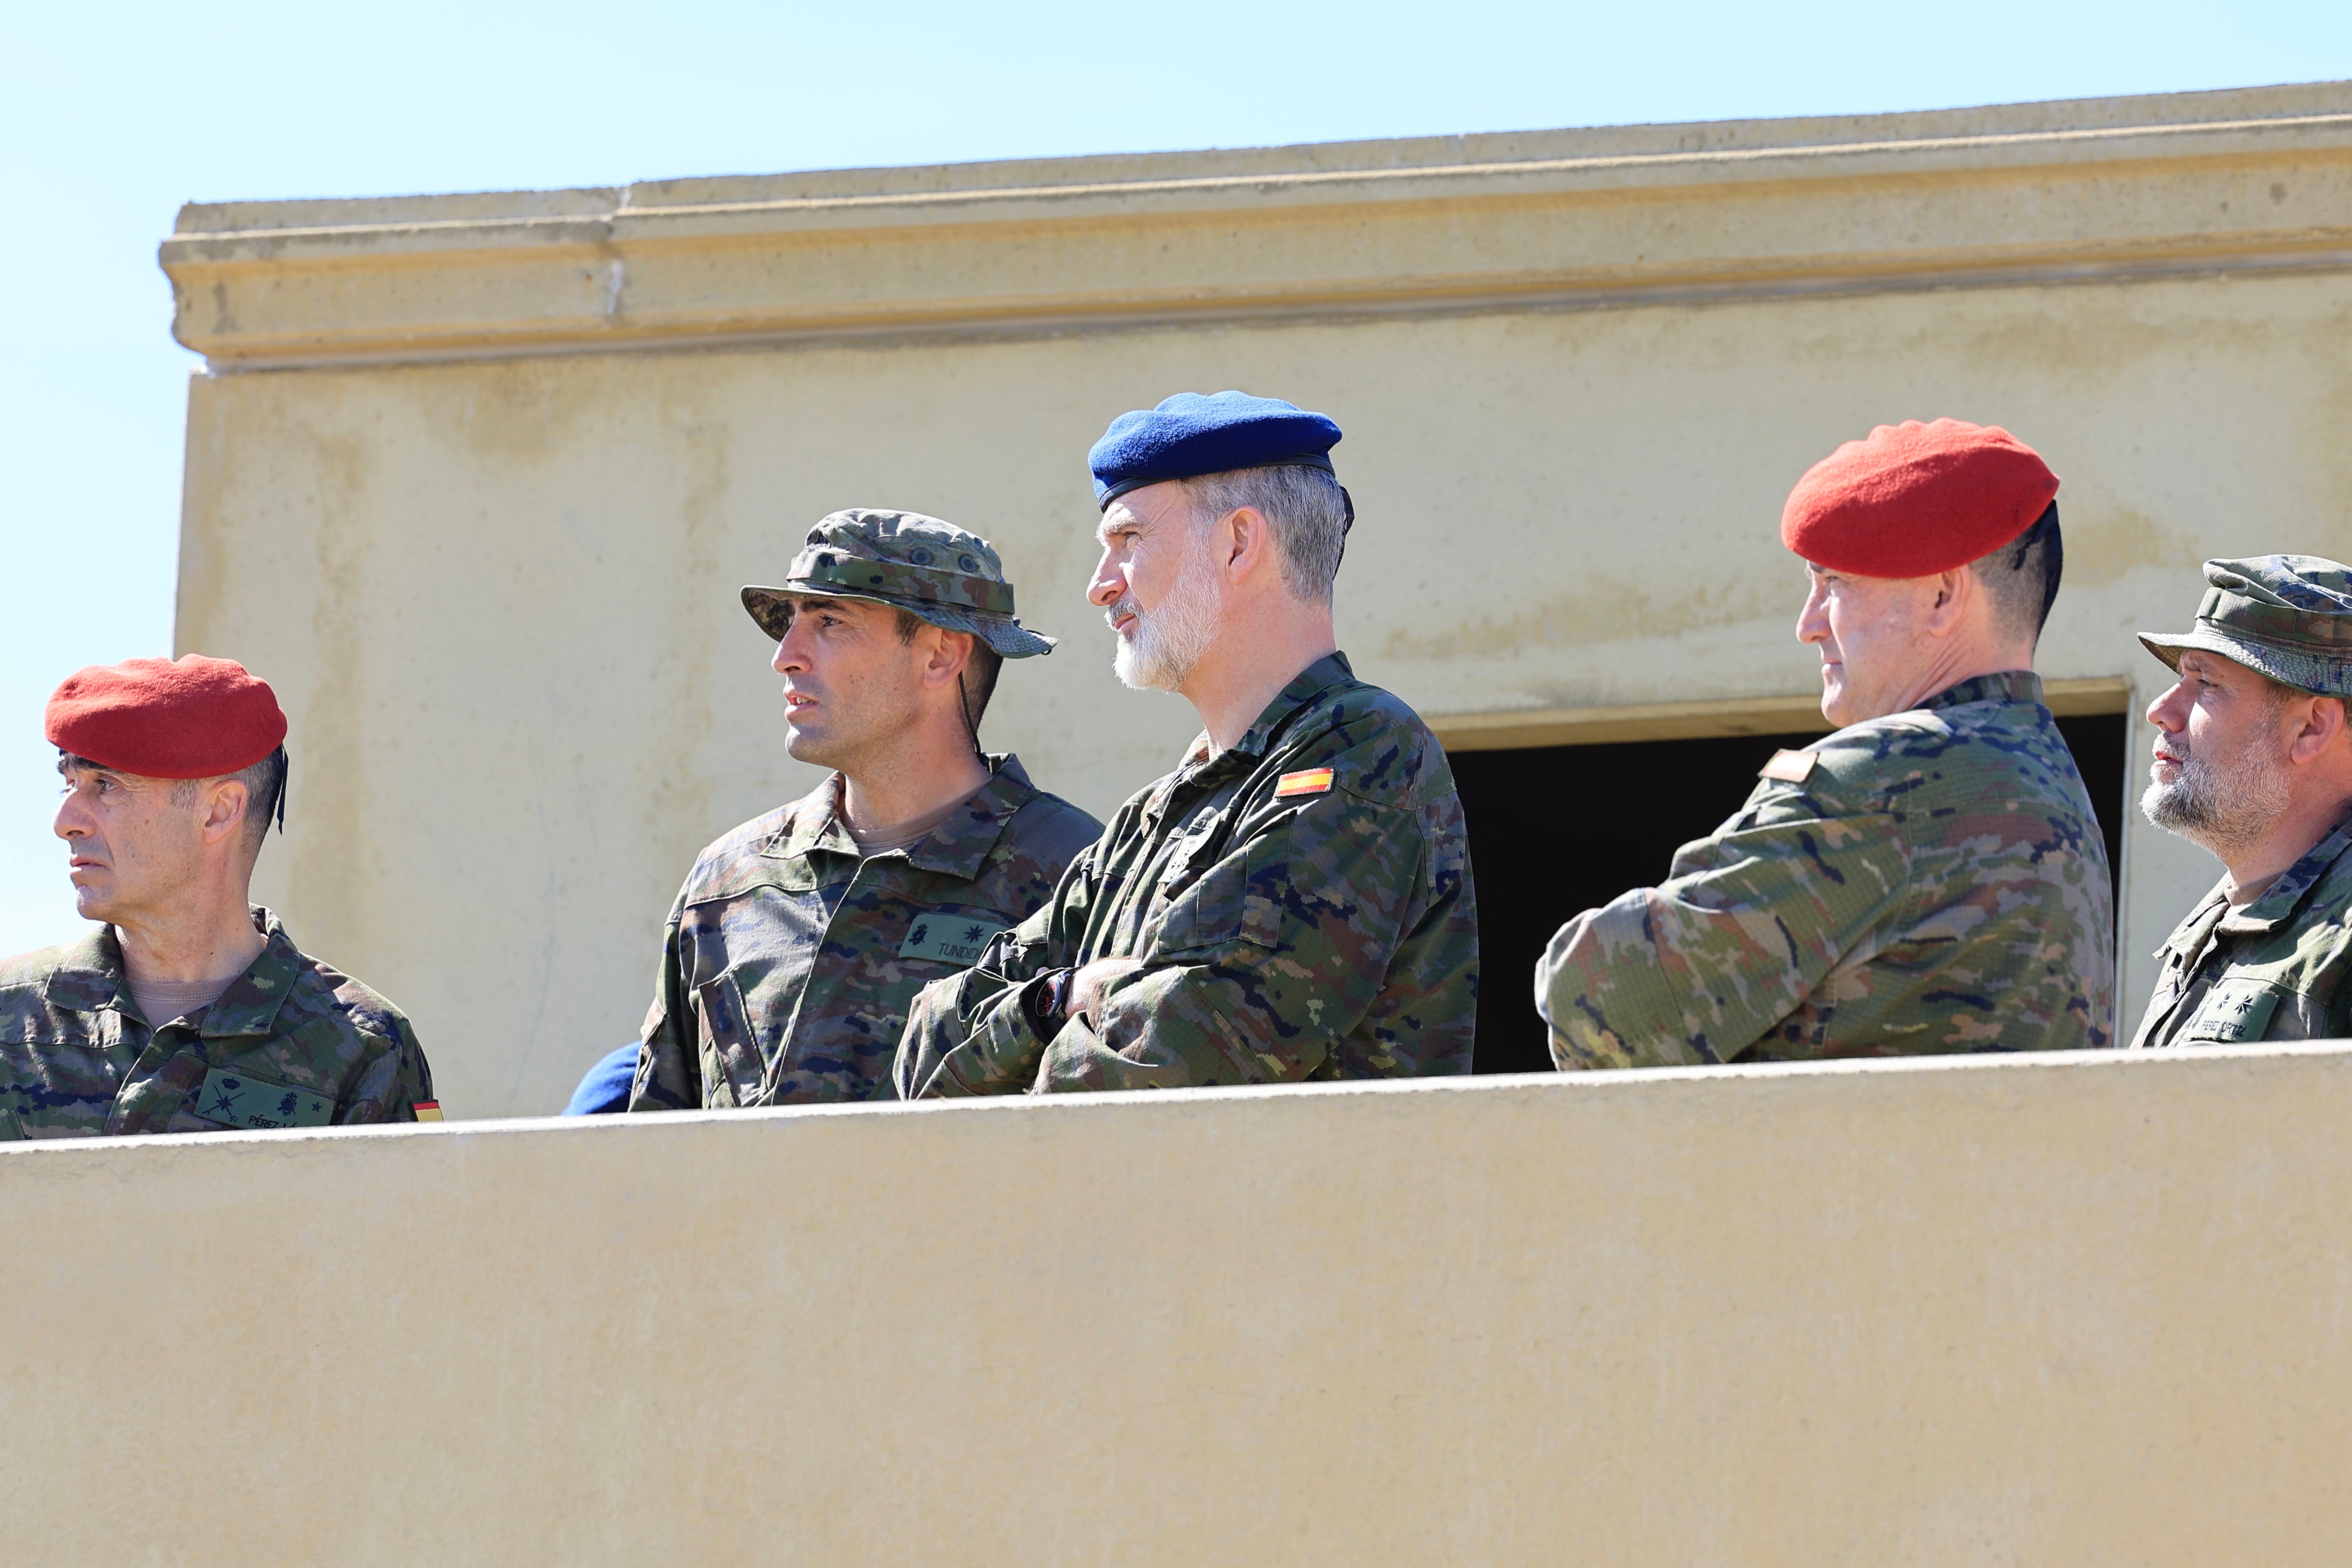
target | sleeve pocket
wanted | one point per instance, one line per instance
(1266, 885)
(731, 1064)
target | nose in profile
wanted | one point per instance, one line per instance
(1814, 620)
(792, 650)
(2170, 712)
(1110, 583)
(72, 820)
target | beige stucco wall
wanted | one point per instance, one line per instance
(2021, 1310)
(473, 479)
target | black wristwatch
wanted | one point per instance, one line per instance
(1044, 999)
(1054, 996)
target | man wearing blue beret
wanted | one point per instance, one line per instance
(1294, 901)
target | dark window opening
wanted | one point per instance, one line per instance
(1556, 830)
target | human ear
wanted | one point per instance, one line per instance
(2322, 727)
(225, 806)
(950, 654)
(1249, 541)
(1952, 589)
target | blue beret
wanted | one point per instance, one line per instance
(1190, 435)
(606, 1087)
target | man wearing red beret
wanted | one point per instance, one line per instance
(1930, 878)
(189, 1010)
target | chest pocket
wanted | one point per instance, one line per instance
(2234, 1011)
(1240, 898)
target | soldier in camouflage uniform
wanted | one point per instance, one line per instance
(2254, 764)
(1295, 900)
(190, 1010)
(799, 939)
(1931, 876)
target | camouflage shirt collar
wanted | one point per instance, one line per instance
(958, 846)
(2282, 898)
(249, 1005)
(1332, 669)
(89, 976)
(2007, 686)
(814, 823)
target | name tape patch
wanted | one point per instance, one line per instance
(2236, 1011)
(240, 1101)
(1307, 781)
(946, 937)
(1788, 767)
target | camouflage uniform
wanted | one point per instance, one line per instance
(789, 961)
(1933, 880)
(291, 1043)
(2274, 969)
(1301, 903)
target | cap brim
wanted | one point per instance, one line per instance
(2301, 673)
(2168, 646)
(1006, 635)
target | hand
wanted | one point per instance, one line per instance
(1087, 986)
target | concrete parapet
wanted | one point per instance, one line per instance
(2256, 179)
(2020, 1310)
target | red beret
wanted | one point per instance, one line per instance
(1915, 500)
(195, 719)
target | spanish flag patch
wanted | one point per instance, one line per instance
(1309, 781)
(427, 1110)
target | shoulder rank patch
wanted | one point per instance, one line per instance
(1307, 781)
(944, 936)
(427, 1110)
(237, 1100)
(1788, 767)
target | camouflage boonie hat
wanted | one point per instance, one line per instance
(2286, 616)
(909, 561)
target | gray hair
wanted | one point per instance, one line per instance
(1308, 513)
(2021, 578)
(265, 786)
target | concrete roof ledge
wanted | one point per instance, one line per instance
(1757, 1083)
(2257, 178)
(2061, 1310)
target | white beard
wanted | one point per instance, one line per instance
(2223, 805)
(1160, 649)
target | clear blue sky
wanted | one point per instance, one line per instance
(112, 114)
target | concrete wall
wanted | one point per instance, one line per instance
(2019, 1310)
(473, 479)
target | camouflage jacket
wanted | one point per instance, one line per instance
(2273, 971)
(789, 961)
(1301, 904)
(1934, 880)
(291, 1043)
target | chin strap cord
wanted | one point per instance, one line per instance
(963, 706)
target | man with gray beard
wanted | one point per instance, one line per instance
(2254, 764)
(1294, 901)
